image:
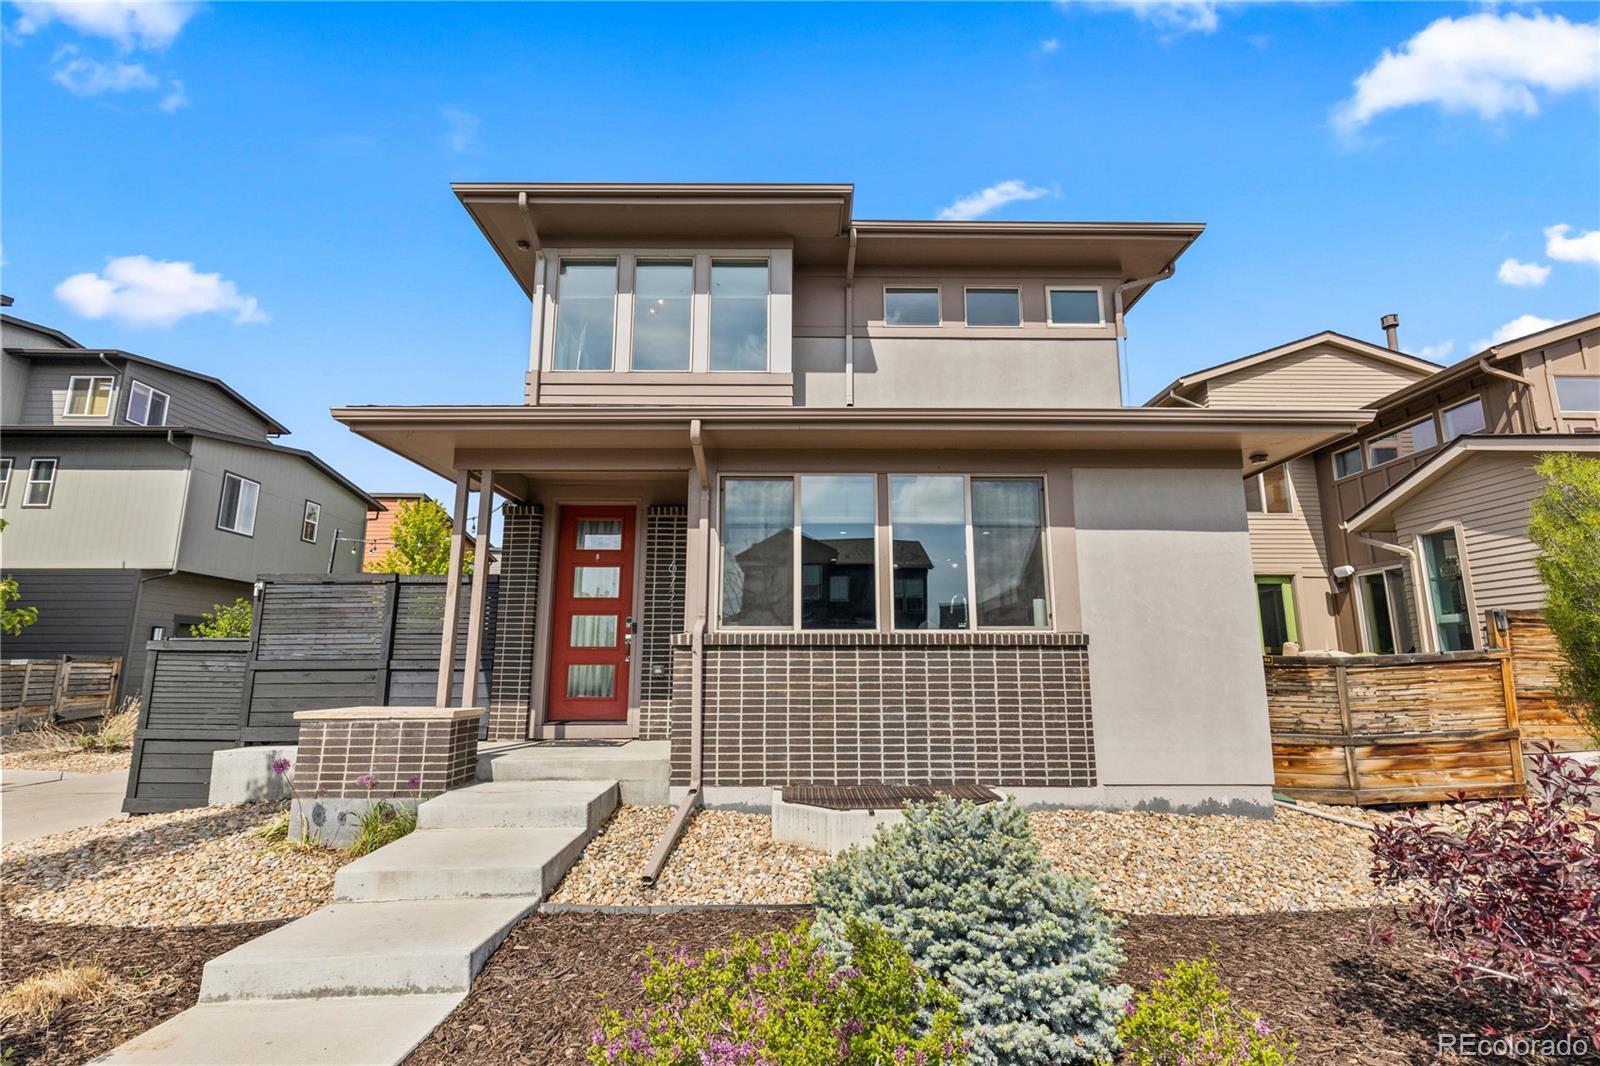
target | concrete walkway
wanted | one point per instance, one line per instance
(361, 982)
(36, 803)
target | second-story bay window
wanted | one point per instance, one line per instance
(739, 314)
(663, 294)
(586, 314)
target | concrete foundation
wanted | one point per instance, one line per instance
(821, 829)
(332, 822)
(1251, 801)
(244, 775)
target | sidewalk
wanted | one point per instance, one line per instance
(36, 803)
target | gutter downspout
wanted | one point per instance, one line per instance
(1172, 394)
(693, 799)
(1494, 371)
(1122, 331)
(850, 322)
(536, 323)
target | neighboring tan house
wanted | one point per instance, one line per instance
(809, 499)
(139, 494)
(1434, 495)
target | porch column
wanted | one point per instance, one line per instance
(480, 591)
(452, 591)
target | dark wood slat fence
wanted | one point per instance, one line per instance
(316, 642)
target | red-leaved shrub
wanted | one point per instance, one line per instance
(1511, 895)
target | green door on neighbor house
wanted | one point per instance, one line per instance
(1275, 598)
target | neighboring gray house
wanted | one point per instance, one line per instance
(139, 494)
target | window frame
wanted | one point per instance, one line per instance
(222, 496)
(712, 260)
(305, 515)
(1361, 456)
(595, 259)
(1099, 300)
(634, 260)
(55, 472)
(8, 466)
(1476, 398)
(111, 395)
(1259, 477)
(1555, 387)
(134, 385)
(1368, 442)
(1291, 603)
(1362, 618)
(1423, 587)
(966, 316)
(938, 299)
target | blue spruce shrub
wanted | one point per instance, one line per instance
(1026, 949)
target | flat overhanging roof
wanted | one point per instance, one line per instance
(438, 438)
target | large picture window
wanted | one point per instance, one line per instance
(928, 524)
(758, 552)
(663, 293)
(738, 314)
(586, 315)
(1008, 552)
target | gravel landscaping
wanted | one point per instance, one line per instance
(188, 868)
(1349, 998)
(1144, 863)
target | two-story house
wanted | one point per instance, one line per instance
(139, 494)
(1400, 537)
(805, 498)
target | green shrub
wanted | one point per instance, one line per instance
(780, 999)
(1186, 1017)
(1026, 949)
(224, 622)
(1566, 527)
(382, 823)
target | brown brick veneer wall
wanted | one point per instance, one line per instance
(666, 531)
(516, 621)
(438, 753)
(913, 708)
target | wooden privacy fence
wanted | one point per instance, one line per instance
(316, 642)
(1535, 659)
(68, 689)
(1394, 728)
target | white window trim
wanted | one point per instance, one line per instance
(1555, 387)
(55, 471)
(938, 299)
(1361, 453)
(1367, 444)
(1099, 299)
(632, 298)
(1361, 604)
(966, 290)
(133, 391)
(222, 498)
(1424, 591)
(305, 513)
(711, 267)
(1260, 479)
(8, 466)
(111, 396)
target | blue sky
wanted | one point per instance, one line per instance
(302, 154)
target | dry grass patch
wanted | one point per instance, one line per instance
(43, 994)
(106, 747)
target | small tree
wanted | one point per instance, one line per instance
(421, 536)
(13, 620)
(223, 622)
(1566, 527)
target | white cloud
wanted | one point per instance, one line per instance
(1437, 353)
(83, 76)
(1523, 275)
(176, 99)
(1487, 63)
(1050, 45)
(1173, 16)
(130, 23)
(1584, 248)
(461, 129)
(1520, 326)
(986, 200)
(139, 291)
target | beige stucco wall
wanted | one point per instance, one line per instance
(1174, 655)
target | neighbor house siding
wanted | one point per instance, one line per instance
(81, 612)
(163, 600)
(45, 396)
(1293, 545)
(1320, 378)
(194, 405)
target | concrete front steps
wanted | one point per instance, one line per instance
(641, 767)
(365, 979)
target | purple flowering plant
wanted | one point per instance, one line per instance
(780, 1000)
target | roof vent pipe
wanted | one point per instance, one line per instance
(1391, 330)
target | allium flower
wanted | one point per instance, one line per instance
(412, 783)
(366, 781)
(280, 766)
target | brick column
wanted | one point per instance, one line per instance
(666, 531)
(516, 622)
(406, 751)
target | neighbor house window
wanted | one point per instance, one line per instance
(663, 294)
(41, 488)
(738, 314)
(1447, 591)
(1579, 393)
(1386, 616)
(1347, 462)
(5, 480)
(309, 521)
(994, 307)
(88, 397)
(586, 301)
(1075, 307)
(147, 406)
(758, 552)
(237, 513)
(911, 307)
(1462, 419)
(1417, 437)
(1268, 492)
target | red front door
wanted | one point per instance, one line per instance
(593, 616)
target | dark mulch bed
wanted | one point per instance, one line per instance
(162, 965)
(1350, 1000)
